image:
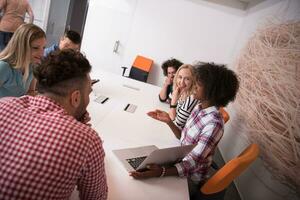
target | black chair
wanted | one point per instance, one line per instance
(140, 68)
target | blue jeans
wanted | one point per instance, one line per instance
(4, 39)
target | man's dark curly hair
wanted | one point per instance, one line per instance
(170, 63)
(62, 72)
(220, 83)
(73, 36)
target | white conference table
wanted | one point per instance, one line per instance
(120, 129)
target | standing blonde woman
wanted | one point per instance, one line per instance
(183, 101)
(13, 16)
(24, 50)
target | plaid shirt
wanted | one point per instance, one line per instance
(45, 152)
(205, 129)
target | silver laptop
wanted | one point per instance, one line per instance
(138, 158)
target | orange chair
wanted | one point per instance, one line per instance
(232, 169)
(224, 114)
(226, 117)
(140, 68)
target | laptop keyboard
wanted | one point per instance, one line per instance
(135, 162)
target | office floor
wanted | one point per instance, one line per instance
(231, 193)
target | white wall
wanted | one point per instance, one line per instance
(40, 10)
(56, 20)
(257, 183)
(184, 29)
(51, 16)
(106, 23)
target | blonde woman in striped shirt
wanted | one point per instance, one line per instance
(183, 101)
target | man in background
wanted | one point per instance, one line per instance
(70, 40)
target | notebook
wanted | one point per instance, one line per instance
(138, 158)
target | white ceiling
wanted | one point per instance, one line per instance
(239, 4)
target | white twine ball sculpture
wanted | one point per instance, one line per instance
(269, 98)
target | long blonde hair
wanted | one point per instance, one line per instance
(18, 51)
(192, 88)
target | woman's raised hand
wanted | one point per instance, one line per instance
(160, 115)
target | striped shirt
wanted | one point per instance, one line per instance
(204, 128)
(184, 109)
(45, 152)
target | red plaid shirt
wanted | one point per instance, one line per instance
(44, 152)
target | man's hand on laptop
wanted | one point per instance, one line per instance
(153, 170)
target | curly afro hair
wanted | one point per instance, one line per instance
(61, 72)
(170, 63)
(220, 83)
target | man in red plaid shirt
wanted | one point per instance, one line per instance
(46, 147)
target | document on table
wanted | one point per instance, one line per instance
(101, 99)
(130, 108)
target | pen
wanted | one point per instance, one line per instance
(95, 81)
(104, 100)
(126, 107)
